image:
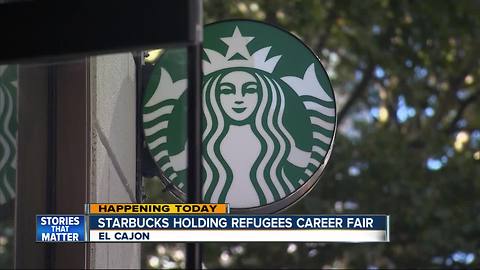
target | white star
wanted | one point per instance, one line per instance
(237, 44)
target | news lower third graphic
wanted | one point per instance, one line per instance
(205, 223)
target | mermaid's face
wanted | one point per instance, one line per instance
(238, 94)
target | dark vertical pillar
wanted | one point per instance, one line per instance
(53, 158)
(194, 188)
(32, 149)
(194, 194)
(139, 63)
(72, 143)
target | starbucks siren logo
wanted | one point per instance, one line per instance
(268, 116)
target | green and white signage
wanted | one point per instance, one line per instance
(269, 117)
(8, 131)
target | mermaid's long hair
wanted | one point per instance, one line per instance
(266, 175)
(7, 140)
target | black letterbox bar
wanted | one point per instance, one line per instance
(58, 28)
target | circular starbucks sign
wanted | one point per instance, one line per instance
(269, 117)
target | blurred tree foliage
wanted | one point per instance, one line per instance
(406, 75)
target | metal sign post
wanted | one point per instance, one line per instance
(194, 187)
(194, 154)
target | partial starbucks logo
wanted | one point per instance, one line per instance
(8, 131)
(269, 117)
